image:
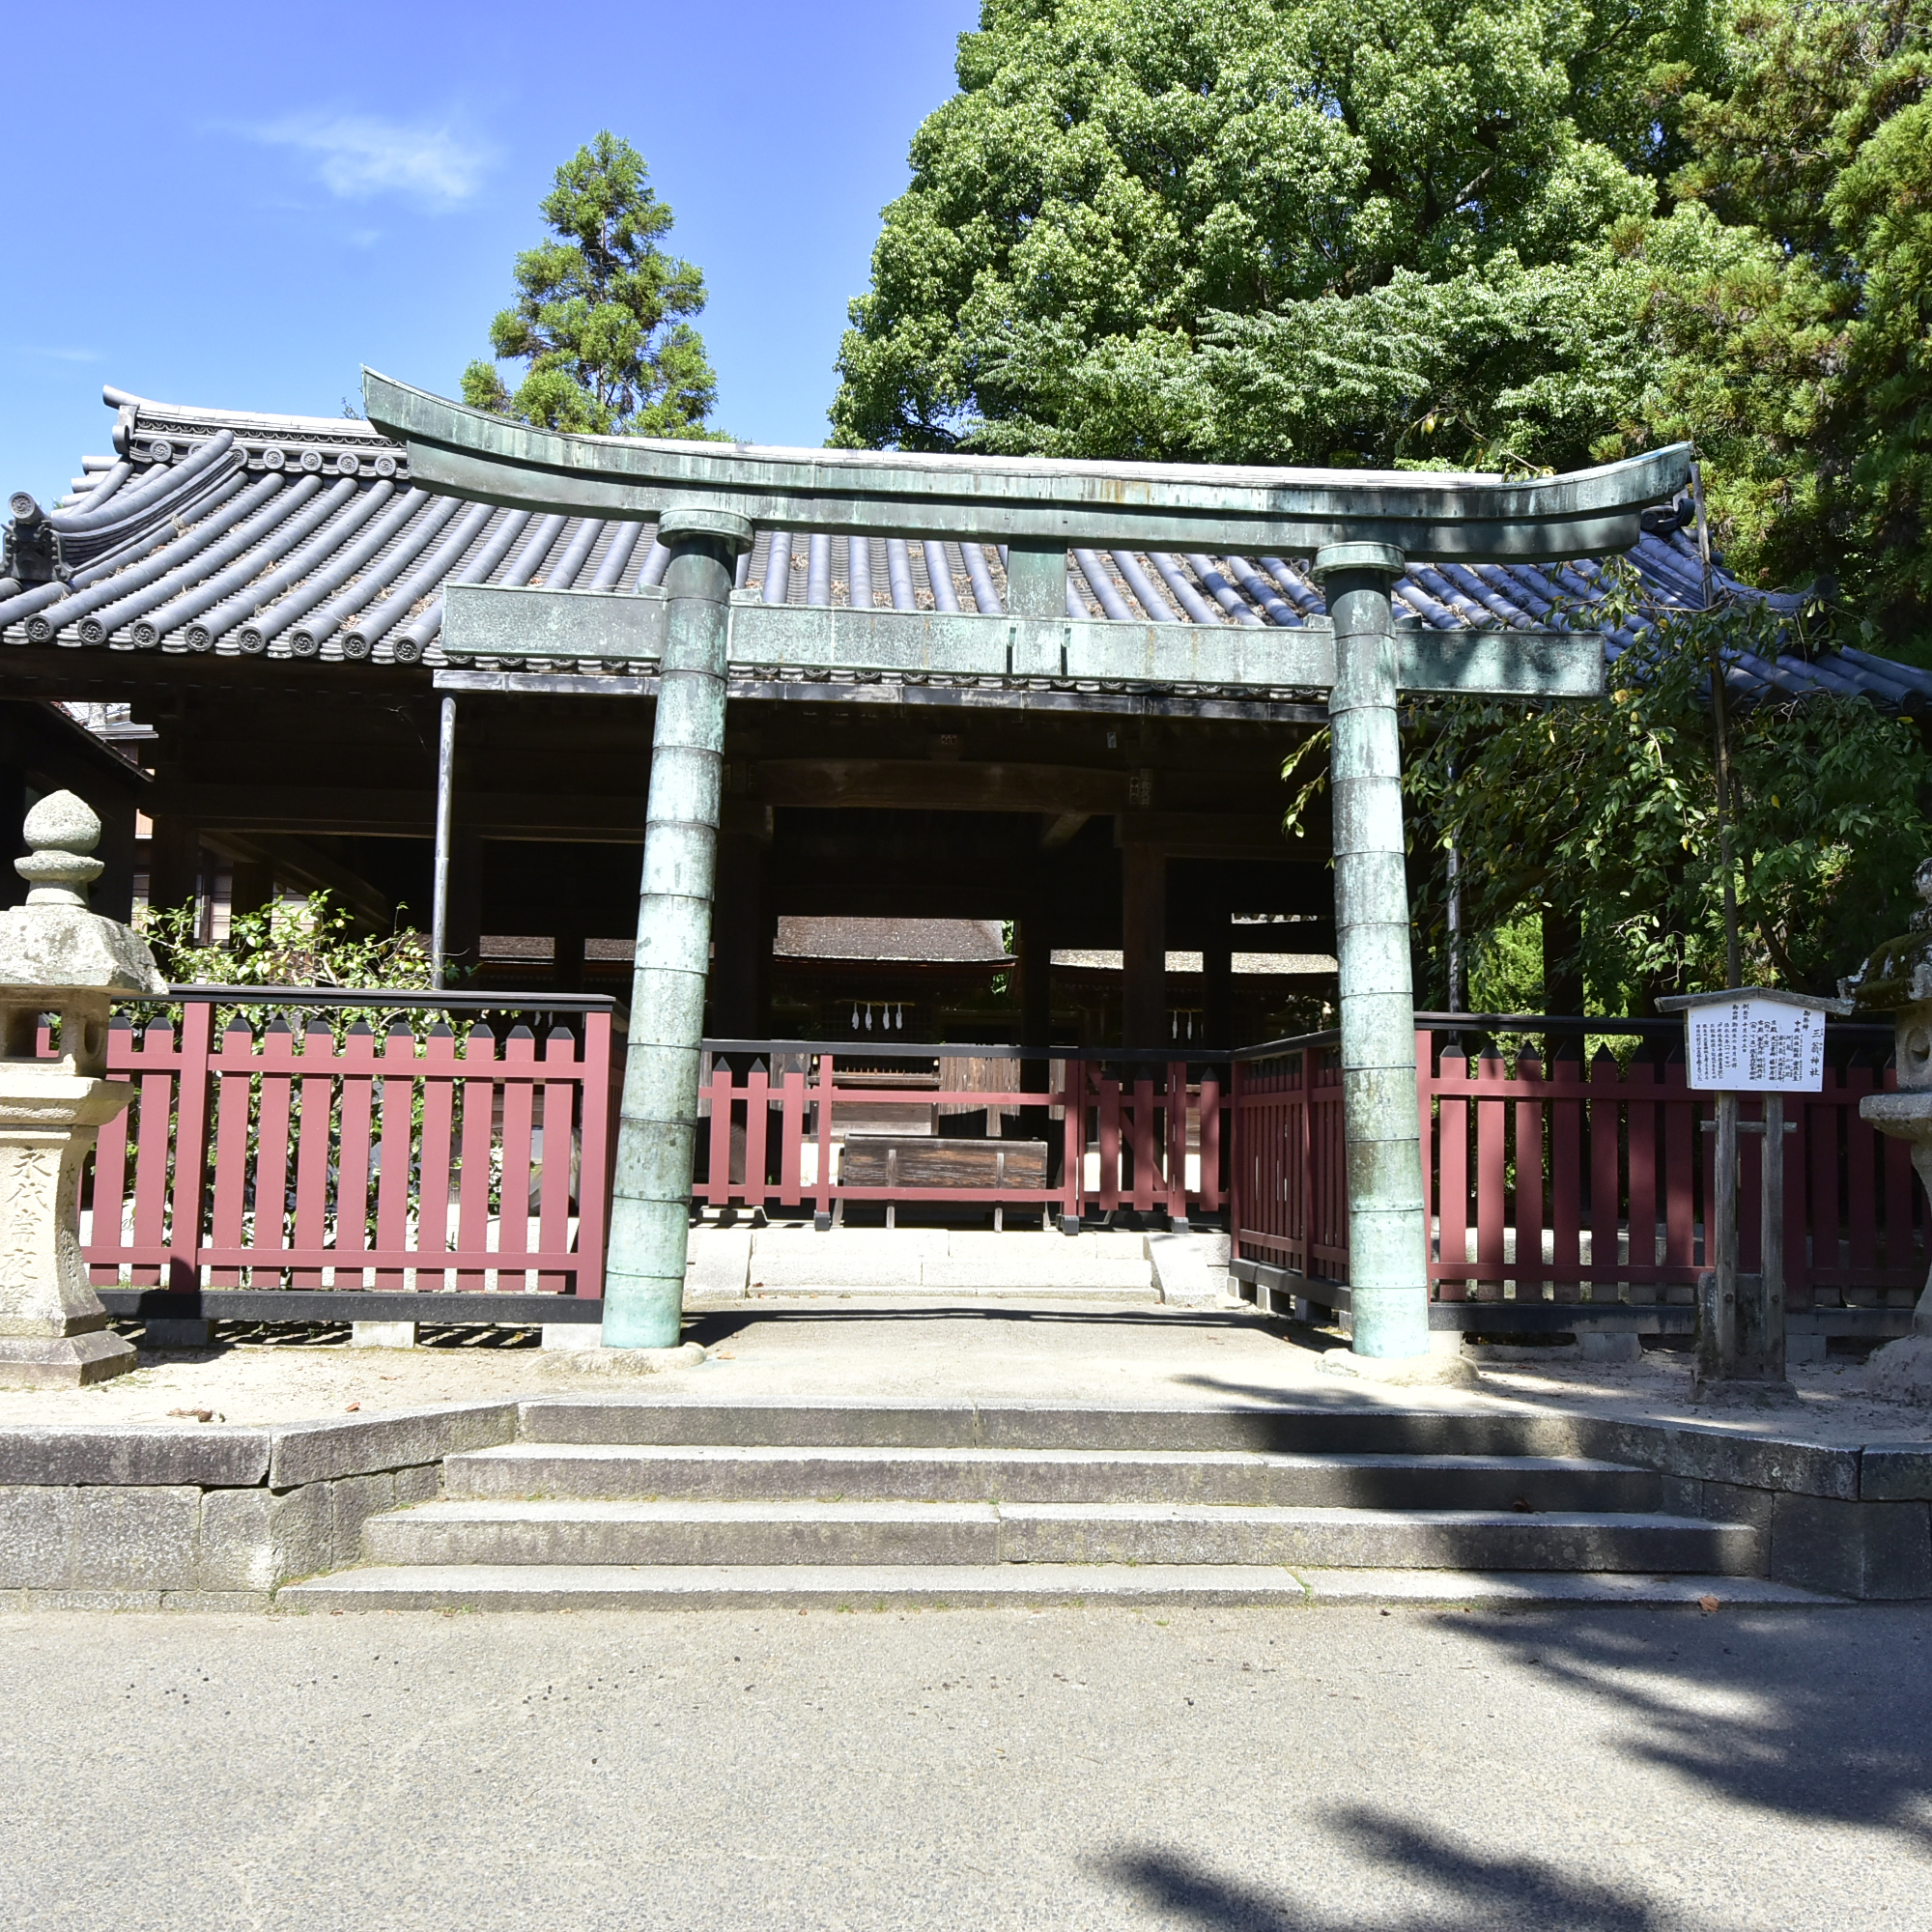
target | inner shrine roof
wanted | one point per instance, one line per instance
(304, 538)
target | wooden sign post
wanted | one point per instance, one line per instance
(1747, 1040)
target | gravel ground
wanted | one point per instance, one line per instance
(877, 1349)
(1608, 1771)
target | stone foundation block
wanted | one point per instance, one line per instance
(1897, 1473)
(255, 1540)
(135, 1539)
(418, 1486)
(83, 1599)
(36, 1536)
(147, 1454)
(308, 1452)
(193, 1333)
(1609, 1348)
(1857, 1549)
(352, 1502)
(381, 1334)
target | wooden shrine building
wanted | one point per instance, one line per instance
(263, 597)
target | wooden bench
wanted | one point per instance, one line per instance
(923, 1163)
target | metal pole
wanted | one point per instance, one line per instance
(657, 1128)
(446, 790)
(1388, 1266)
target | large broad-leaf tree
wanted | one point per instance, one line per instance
(602, 315)
(1518, 236)
(1117, 175)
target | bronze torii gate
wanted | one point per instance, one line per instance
(1362, 528)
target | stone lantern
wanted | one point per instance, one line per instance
(57, 958)
(1897, 980)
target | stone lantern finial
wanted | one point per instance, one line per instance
(63, 830)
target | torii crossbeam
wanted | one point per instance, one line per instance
(1362, 526)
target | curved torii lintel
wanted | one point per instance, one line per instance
(1034, 500)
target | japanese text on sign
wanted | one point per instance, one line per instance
(1756, 1046)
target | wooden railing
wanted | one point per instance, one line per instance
(1123, 1131)
(439, 1154)
(1555, 1180)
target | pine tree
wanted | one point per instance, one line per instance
(602, 314)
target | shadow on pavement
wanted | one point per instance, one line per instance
(1472, 1891)
(1824, 1716)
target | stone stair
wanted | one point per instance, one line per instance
(1097, 1266)
(617, 1501)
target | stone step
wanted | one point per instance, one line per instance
(1311, 1428)
(967, 1284)
(869, 1588)
(787, 1533)
(729, 1473)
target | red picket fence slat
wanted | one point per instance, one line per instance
(1529, 1160)
(1156, 1141)
(265, 1160)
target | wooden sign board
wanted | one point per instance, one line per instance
(1755, 1045)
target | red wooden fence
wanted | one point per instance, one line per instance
(429, 1159)
(1148, 1142)
(1568, 1181)
(424, 1160)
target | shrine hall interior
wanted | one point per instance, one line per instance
(917, 864)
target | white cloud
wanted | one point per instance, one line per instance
(64, 355)
(358, 157)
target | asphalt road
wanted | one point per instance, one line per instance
(1610, 1770)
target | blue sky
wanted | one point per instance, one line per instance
(241, 204)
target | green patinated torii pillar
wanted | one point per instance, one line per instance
(657, 1122)
(1389, 1242)
(1361, 528)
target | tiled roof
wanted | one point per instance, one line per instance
(301, 536)
(934, 941)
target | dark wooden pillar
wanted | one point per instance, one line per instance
(1217, 981)
(1144, 946)
(1033, 951)
(1033, 948)
(112, 895)
(12, 817)
(251, 886)
(173, 861)
(740, 940)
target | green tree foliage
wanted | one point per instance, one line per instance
(1799, 357)
(309, 942)
(1116, 174)
(1608, 812)
(602, 314)
(1500, 367)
